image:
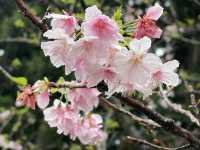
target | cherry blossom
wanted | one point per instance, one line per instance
(134, 66)
(42, 100)
(27, 97)
(65, 22)
(146, 25)
(61, 116)
(87, 49)
(96, 56)
(99, 25)
(58, 49)
(84, 99)
(165, 74)
(90, 130)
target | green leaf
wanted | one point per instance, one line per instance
(20, 80)
(118, 18)
(111, 124)
(19, 23)
(75, 147)
(16, 63)
(61, 80)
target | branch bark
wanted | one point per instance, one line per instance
(167, 124)
(33, 18)
(133, 140)
(145, 122)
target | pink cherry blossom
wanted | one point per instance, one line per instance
(87, 49)
(165, 74)
(84, 99)
(90, 130)
(58, 49)
(91, 61)
(147, 26)
(65, 22)
(99, 25)
(134, 66)
(92, 74)
(63, 117)
(27, 97)
(42, 100)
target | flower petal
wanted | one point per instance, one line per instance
(140, 46)
(170, 78)
(154, 12)
(92, 12)
(43, 100)
(171, 65)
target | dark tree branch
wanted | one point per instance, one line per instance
(145, 122)
(133, 140)
(27, 13)
(167, 124)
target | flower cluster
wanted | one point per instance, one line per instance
(98, 56)
(69, 122)
(94, 52)
(66, 116)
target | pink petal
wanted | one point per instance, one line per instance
(171, 65)
(154, 12)
(157, 33)
(152, 62)
(92, 12)
(141, 45)
(43, 100)
(56, 51)
(170, 78)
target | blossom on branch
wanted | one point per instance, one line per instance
(100, 25)
(97, 54)
(146, 25)
(84, 99)
(66, 22)
(27, 97)
(165, 74)
(90, 130)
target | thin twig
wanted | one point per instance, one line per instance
(196, 2)
(69, 85)
(7, 74)
(178, 108)
(144, 142)
(145, 122)
(19, 40)
(27, 13)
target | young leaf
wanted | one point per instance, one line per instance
(118, 19)
(20, 80)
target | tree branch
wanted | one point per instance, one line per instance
(178, 108)
(19, 40)
(133, 140)
(145, 122)
(27, 13)
(66, 85)
(167, 124)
